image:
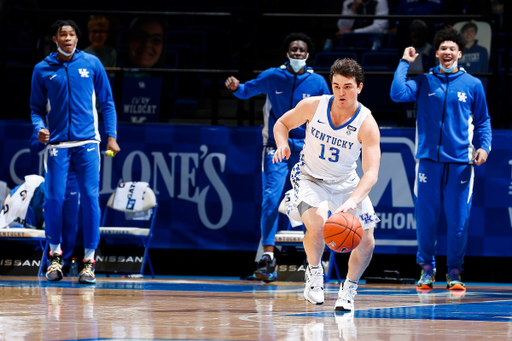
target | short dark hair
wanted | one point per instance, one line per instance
(347, 67)
(467, 25)
(298, 36)
(54, 29)
(449, 35)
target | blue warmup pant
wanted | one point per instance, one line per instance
(85, 161)
(70, 216)
(447, 185)
(274, 176)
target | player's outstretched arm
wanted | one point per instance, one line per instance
(369, 135)
(302, 113)
(232, 83)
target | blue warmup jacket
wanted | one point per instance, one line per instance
(284, 90)
(451, 109)
(66, 93)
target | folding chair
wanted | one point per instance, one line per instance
(24, 234)
(137, 229)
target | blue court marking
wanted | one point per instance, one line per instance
(484, 312)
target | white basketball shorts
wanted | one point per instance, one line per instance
(331, 195)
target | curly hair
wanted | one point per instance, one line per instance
(297, 36)
(349, 68)
(449, 35)
(54, 29)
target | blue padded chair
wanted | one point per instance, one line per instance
(135, 231)
(380, 61)
(359, 51)
(324, 60)
(365, 40)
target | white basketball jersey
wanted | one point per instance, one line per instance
(330, 153)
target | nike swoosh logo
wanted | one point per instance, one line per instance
(73, 193)
(52, 77)
(279, 92)
(89, 149)
(463, 182)
(432, 94)
(320, 122)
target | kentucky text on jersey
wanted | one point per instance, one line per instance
(331, 139)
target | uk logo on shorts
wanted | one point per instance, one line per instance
(366, 218)
(84, 73)
(54, 152)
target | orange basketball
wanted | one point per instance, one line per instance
(342, 232)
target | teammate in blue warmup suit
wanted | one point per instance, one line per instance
(65, 88)
(69, 208)
(284, 86)
(451, 109)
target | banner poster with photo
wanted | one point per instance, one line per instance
(207, 180)
(140, 101)
(476, 54)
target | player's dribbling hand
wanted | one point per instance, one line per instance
(348, 205)
(232, 83)
(281, 153)
(43, 136)
(410, 54)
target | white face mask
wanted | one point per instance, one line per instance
(297, 64)
(450, 69)
(65, 53)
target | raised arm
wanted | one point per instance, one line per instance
(369, 136)
(403, 90)
(302, 113)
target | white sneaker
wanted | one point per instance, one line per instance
(346, 325)
(314, 290)
(345, 301)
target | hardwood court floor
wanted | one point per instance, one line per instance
(172, 309)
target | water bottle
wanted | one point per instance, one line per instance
(377, 43)
(328, 45)
(73, 268)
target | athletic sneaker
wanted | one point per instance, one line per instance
(453, 281)
(266, 270)
(346, 295)
(346, 325)
(314, 290)
(427, 278)
(87, 274)
(54, 271)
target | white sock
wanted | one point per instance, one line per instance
(315, 266)
(89, 253)
(55, 248)
(351, 281)
(270, 254)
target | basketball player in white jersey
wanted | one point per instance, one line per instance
(338, 129)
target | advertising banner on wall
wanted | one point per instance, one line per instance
(207, 180)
